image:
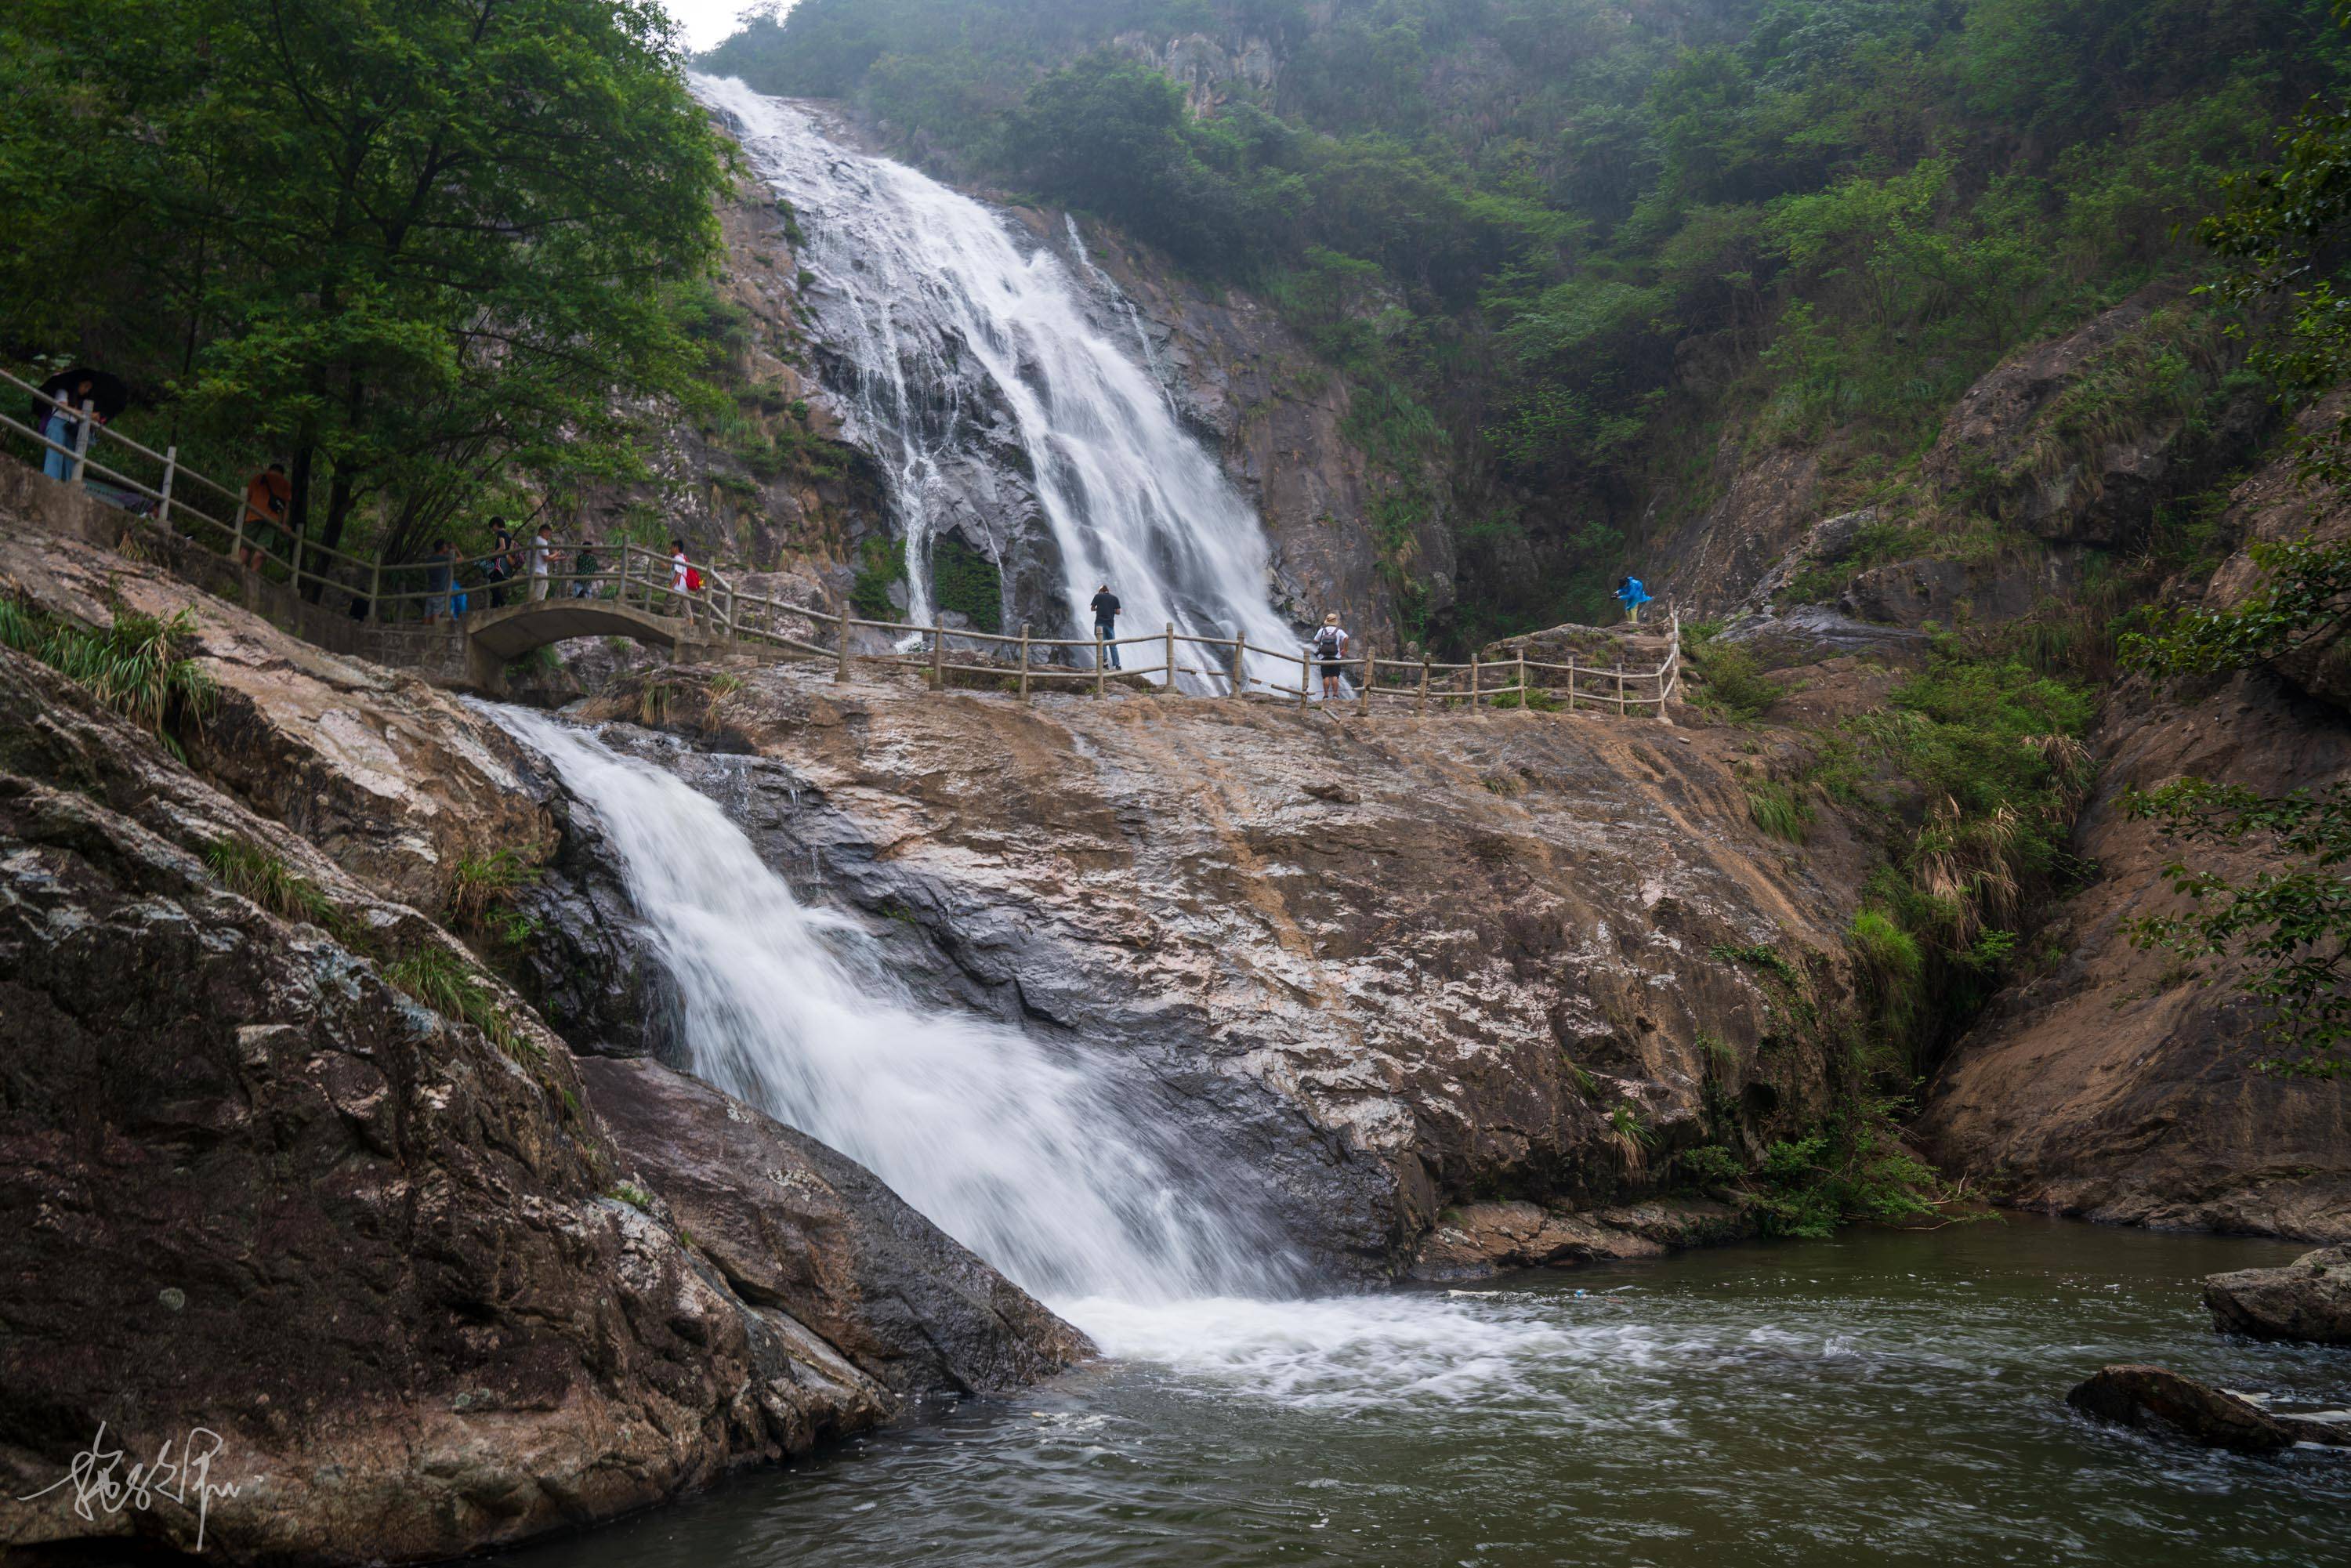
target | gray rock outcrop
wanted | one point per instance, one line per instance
(2307, 1299)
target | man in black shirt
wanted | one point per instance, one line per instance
(1106, 623)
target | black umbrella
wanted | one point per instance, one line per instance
(105, 390)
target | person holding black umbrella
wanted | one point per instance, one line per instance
(82, 391)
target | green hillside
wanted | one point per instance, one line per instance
(1561, 247)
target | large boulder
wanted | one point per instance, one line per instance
(388, 1256)
(792, 1225)
(2309, 1298)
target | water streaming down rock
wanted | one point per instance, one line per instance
(1031, 1160)
(969, 361)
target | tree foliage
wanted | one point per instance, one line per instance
(407, 243)
(2285, 230)
(2290, 925)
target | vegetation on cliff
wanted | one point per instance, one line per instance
(1561, 246)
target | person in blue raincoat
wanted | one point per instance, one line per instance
(1633, 596)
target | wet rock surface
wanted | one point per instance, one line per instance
(792, 1225)
(391, 1260)
(1376, 965)
(2308, 1299)
(395, 780)
(1480, 1241)
(2156, 1400)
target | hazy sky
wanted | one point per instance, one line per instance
(706, 21)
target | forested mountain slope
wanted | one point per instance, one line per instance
(1586, 264)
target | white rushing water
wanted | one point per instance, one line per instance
(1028, 1160)
(920, 287)
(1041, 1164)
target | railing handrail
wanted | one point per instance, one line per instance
(735, 614)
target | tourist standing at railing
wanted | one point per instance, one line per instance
(584, 568)
(499, 568)
(1106, 608)
(682, 579)
(65, 397)
(440, 571)
(267, 495)
(536, 559)
(1330, 650)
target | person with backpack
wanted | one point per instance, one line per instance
(499, 567)
(266, 497)
(1329, 649)
(684, 578)
(1106, 608)
(1632, 595)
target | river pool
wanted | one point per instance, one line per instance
(1889, 1397)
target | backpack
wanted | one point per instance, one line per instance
(693, 579)
(1326, 642)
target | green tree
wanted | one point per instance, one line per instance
(2284, 231)
(409, 242)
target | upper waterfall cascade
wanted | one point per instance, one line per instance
(941, 322)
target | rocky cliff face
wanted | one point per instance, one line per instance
(763, 483)
(1382, 968)
(2114, 1081)
(291, 1166)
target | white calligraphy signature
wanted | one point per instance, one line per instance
(99, 1481)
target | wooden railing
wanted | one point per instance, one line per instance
(425, 592)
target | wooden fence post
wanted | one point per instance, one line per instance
(1371, 673)
(840, 654)
(170, 465)
(1305, 682)
(939, 657)
(1473, 680)
(237, 536)
(1240, 665)
(1167, 683)
(1523, 678)
(1024, 661)
(1422, 707)
(1101, 673)
(1571, 683)
(81, 444)
(375, 590)
(1620, 688)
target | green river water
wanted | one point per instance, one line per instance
(1890, 1396)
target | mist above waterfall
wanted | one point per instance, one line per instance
(966, 359)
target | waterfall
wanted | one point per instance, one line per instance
(948, 325)
(1042, 1165)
